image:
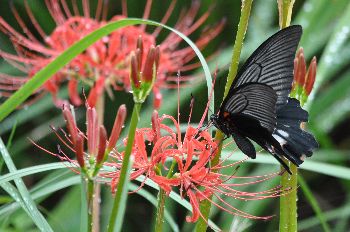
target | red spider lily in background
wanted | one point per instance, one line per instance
(106, 64)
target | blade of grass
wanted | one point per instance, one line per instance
(9, 142)
(343, 211)
(330, 54)
(53, 187)
(313, 202)
(37, 217)
(13, 192)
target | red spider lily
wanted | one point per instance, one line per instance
(194, 178)
(106, 63)
(98, 143)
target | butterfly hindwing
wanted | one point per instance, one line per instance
(254, 100)
(244, 145)
(272, 63)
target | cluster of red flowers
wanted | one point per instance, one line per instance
(104, 65)
(189, 156)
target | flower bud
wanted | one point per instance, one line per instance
(79, 150)
(147, 73)
(134, 73)
(92, 130)
(71, 125)
(101, 145)
(310, 76)
(117, 127)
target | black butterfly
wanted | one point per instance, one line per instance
(258, 106)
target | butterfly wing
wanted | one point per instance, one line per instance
(272, 64)
(254, 101)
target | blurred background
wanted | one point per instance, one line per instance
(326, 26)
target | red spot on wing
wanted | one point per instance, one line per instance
(226, 114)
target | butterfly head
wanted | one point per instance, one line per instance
(219, 123)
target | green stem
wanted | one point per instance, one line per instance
(288, 203)
(90, 200)
(121, 194)
(160, 211)
(205, 205)
(237, 47)
(161, 203)
(285, 8)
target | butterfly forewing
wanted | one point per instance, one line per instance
(272, 64)
(254, 100)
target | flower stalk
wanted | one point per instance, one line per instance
(205, 205)
(142, 83)
(162, 195)
(285, 9)
(121, 194)
(288, 203)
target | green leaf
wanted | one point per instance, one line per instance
(310, 165)
(313, 202)
(334, 45)
(34, 213)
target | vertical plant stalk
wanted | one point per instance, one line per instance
(159, 217)
(205, 205)
(160, 211)
(121, 194)
(288, 203)
(90, 203)
(285, 8)
(96, 205)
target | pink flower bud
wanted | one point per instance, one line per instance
(147, 73)
(117, 127)
(134, 74)
(155, 126)
(71, 125)
(92, 130)
(310, 76)
(139, 46)
(79, 150)
(102, 145)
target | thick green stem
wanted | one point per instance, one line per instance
(121, 194)
(205, 205)
(237, 47)
(288, 203)
(160, 211)
(90, 200)
(285, 8)
(159, 218)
